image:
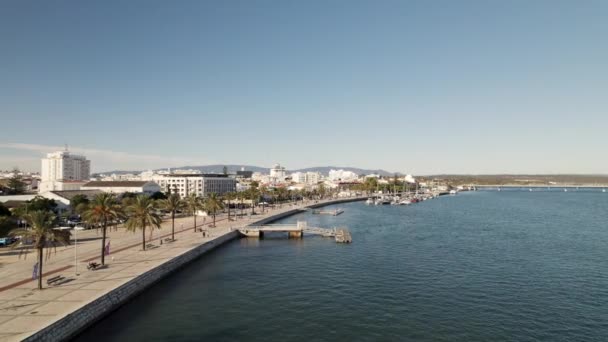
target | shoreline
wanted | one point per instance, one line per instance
(553, 186)
(75, 321)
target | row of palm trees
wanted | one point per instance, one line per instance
(140, 213)
(106, 210)
(103, 211)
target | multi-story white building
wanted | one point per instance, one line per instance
(62, 169)
(306, 177)
(342, 175)
(277, 173)
(298, 177)
(199, 184)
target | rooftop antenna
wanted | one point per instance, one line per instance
(66, 147)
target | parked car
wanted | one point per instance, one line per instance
(6, 241)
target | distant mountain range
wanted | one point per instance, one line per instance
(233, 168)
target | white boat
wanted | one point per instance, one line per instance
(530, 189)
(565, 190)
(603, 190)
(452, 192)
(369, 201)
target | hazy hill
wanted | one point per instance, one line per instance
(522, 179)
(232, 168)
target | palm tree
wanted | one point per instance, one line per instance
(282, 193)
(254, 195)
(193, 204)
(103, 210)
(142, 213)
(43, 235)
(321, 190)
(212, 204)
(240, 196)
(229, 196)
(263, 192)
(173, 203)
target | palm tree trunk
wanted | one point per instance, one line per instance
(143, 237)
(228, 212)
(214, 218)
(40, 250)
(241, 207)
(173, 225)
(195, 221)
(103, 242)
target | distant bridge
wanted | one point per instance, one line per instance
(552, 186)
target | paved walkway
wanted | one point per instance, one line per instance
(25, 310)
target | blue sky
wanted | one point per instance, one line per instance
(411, 86)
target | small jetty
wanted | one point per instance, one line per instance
(341, 235)
(334, 212)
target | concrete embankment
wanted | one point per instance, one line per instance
(336, 201)
(76, 321)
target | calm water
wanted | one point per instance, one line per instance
(482, 266)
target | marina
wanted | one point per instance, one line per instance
(402, 198)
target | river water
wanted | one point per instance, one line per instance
(478, 266)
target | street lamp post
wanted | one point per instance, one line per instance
(76, 229)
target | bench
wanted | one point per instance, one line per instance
(93, 265)
(169, 240)
(54, 280)
(152, 246)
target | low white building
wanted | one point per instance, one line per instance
(60, 185)
(121, 177)
(119, 187)
(62, 198)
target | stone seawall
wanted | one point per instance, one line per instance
(75, 322)
(337, 201)
(276, 217)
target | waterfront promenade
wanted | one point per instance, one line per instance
(25, 310)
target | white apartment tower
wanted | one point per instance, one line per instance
(61, 168)
(277, 173)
